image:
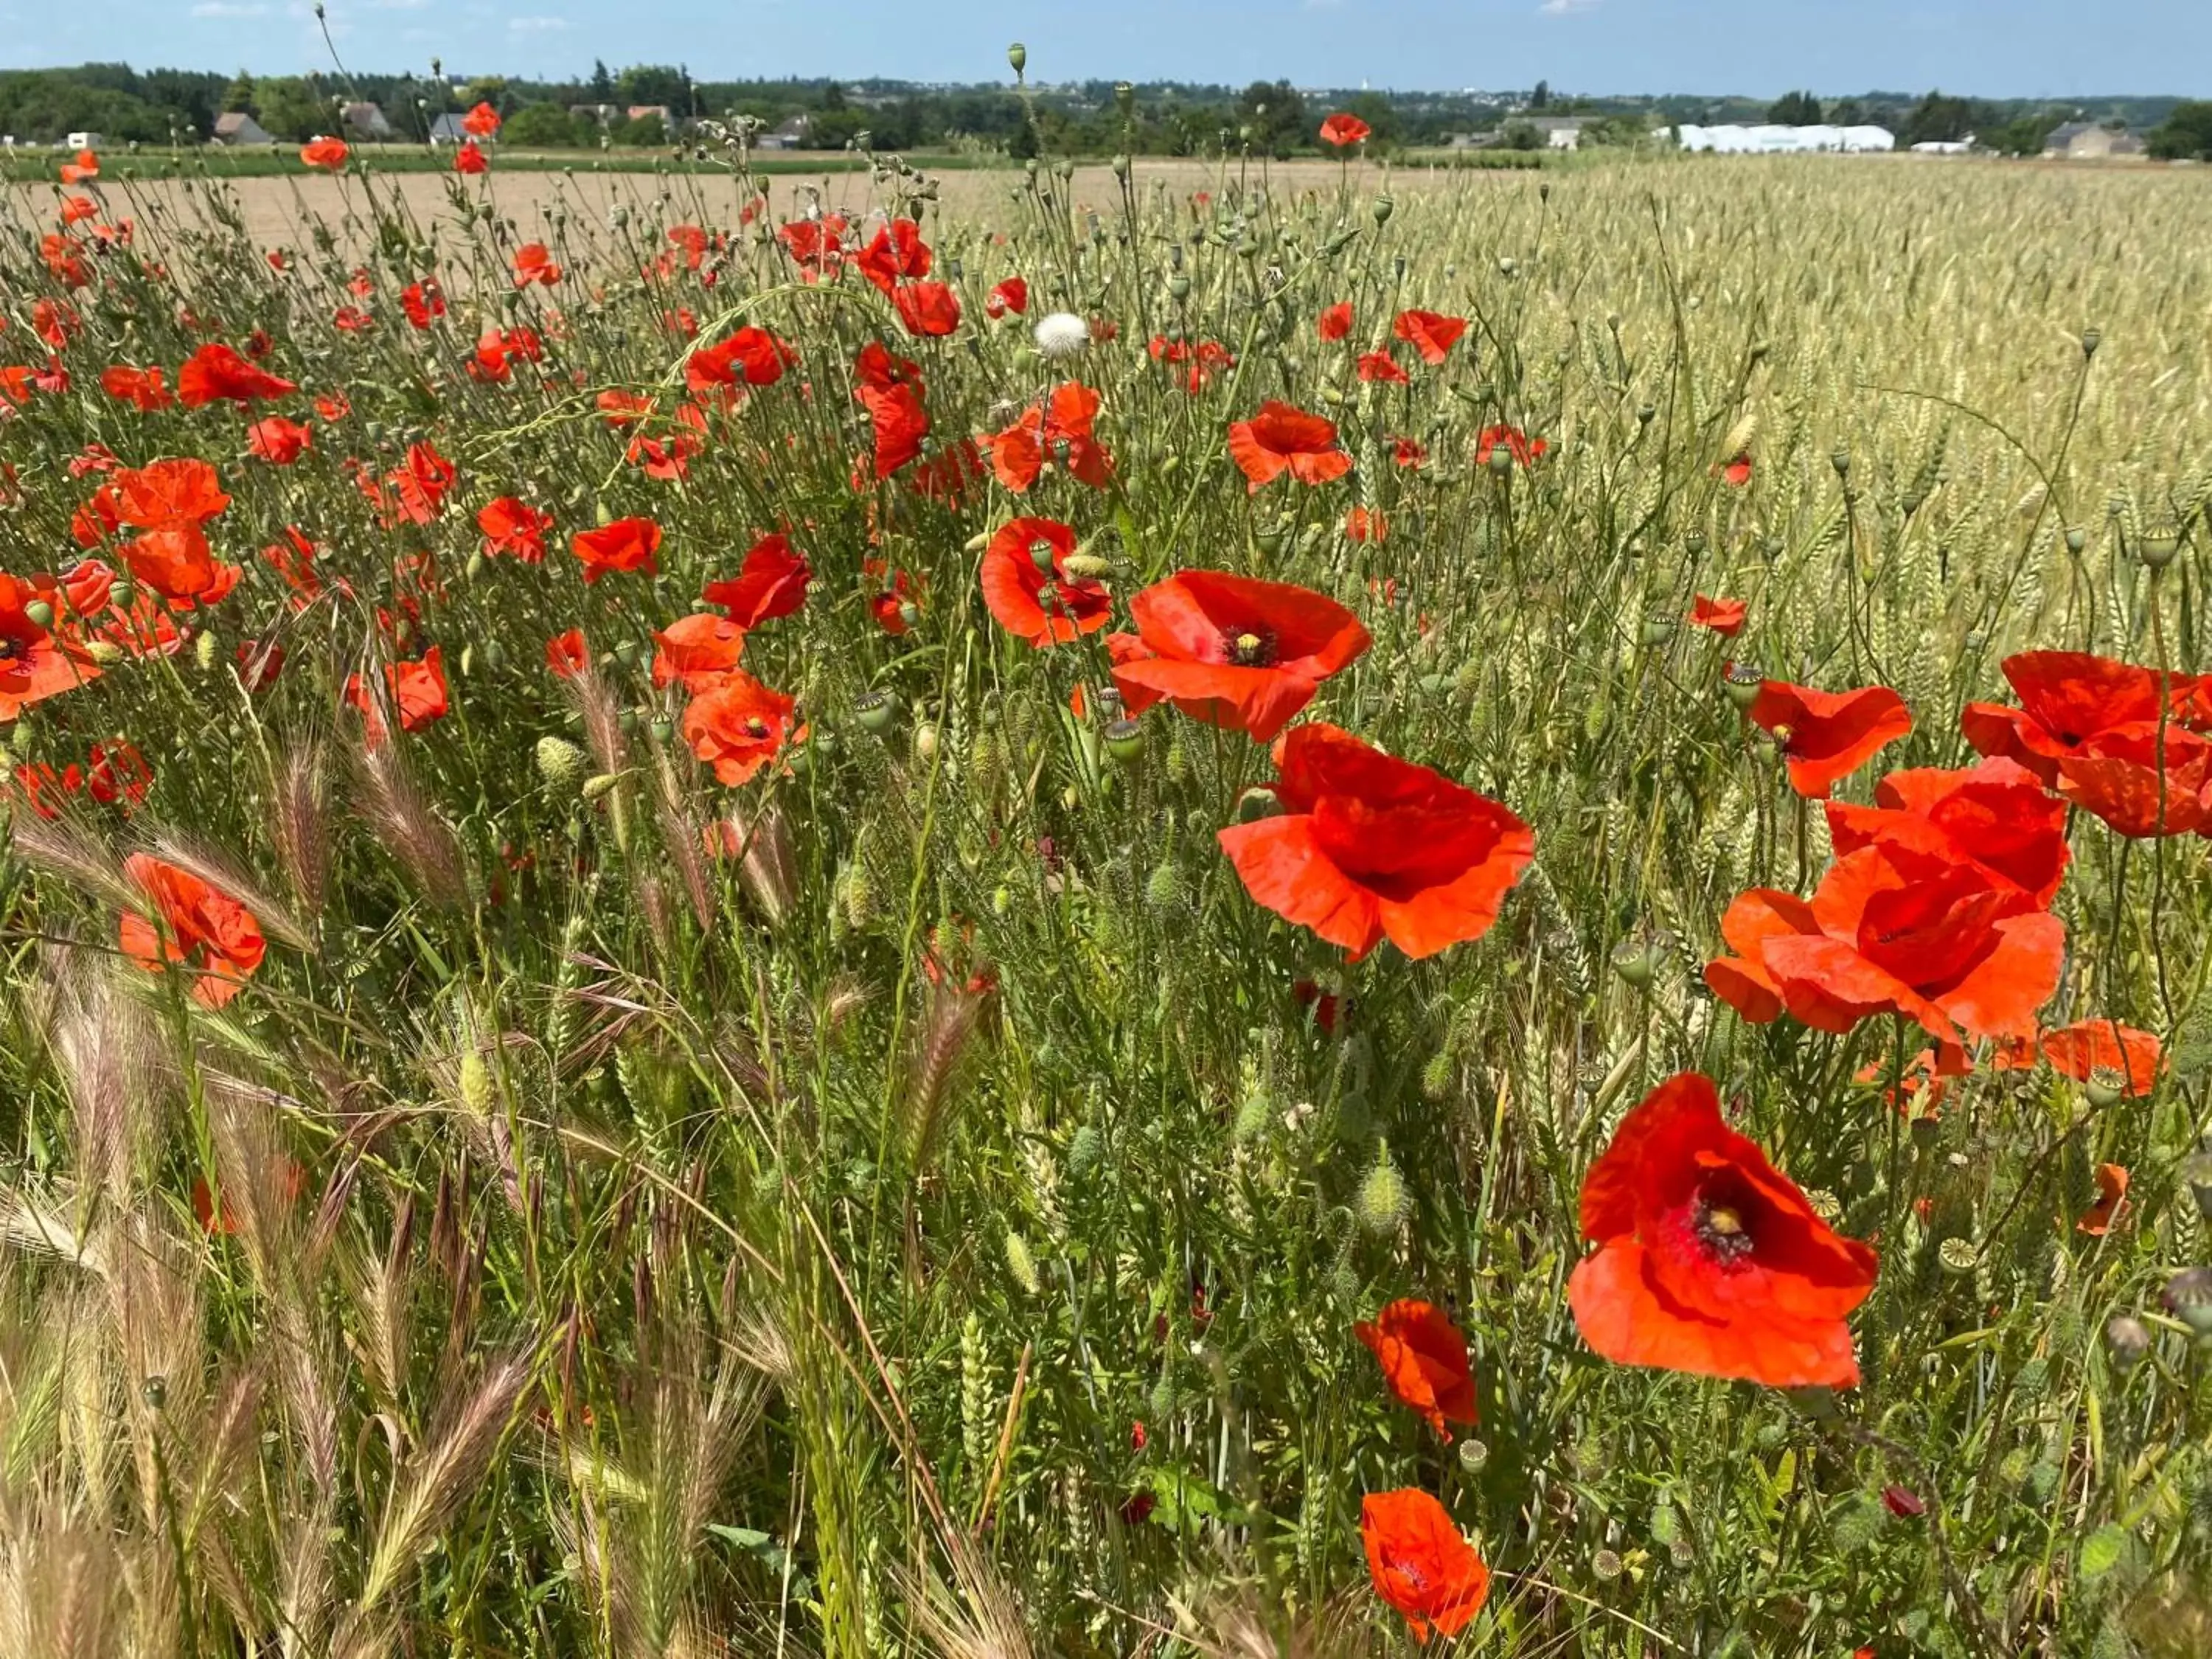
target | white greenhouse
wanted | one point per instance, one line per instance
(1784, 140)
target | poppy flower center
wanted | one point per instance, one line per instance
(9, 650)
(1721, 1230)
(1250, 648)
(756, 728)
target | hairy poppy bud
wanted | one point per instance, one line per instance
(1085, 565)
(105, 653)
(562, 764)
(475, 1082)
(1020, 1263)
(1382, 1200)
(877, 711)
(924, 742)
(2127, 1339)
(1257, 803)
(596, 786)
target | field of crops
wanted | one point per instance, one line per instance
(1216, 913)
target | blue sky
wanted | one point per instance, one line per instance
(2054, 48)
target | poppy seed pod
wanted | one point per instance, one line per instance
(2156, 548)
(2104, 1087)
(1840, 458)
(1125, 741)
(877, 711)
(2077, 540)
(38, 614)
(2187, 1298)
(1637, 959)
(2127, 1339)
(1382, 207)
(2091, 339)
(1742, 681)
(1958, 1256)
(2197, 1172)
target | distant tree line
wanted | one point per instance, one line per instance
(1092, 118)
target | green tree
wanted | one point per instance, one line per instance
(486, 89)
(653, 83)
(1939, 119)
(646, 132)
(2024, 135)
(290, 110)
(237, 97)
(2185, 135)
(1520, 134)
(603, 84)
(540, 126)
(1847, 113)
(1542, 98)
(1276, 115)
(1795, 109)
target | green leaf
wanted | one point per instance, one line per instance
(2102, 1550)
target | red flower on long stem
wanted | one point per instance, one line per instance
(1995, 817)
(1343, 129)
(1028, 590)
(511, 525)
(1724, 616)
(325, 154)
(625, 544)
(1281, 439)
(1232, 651)
(1709, 1259)
(1369, 848)
(216, 374)
(1525, 450)
(194, 926)
(740, 726)
(418, 692)
(35, 663)
(771, 583)
(1423, 1359)
(1825, 736)
(1059, 427)
(2092, 1050)
(1429, 332)
(699, 650)
(1334, 321)
(1420, 1563)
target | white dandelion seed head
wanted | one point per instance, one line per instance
(1062, 334)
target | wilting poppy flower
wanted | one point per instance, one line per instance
(120, 775)
(901, 423)
(626, 545)
(1011, 295)
(417, 690)
(1370, 846)
(533, 263)
(34, 664)
(277, 440)
(738, 726)
(1724, 616)
(1232, 651)
(1423, 1359)
(1904, 1503)
(1995, 817)
(1380, 368)
(1828, 735)
(482, 122)
(926, 308)
(1524, 449)
(1737, 472)
(195, 926)
(1060, 427)
(2090, 1049)
(217, 373)
(470, 161)
(422, 302)
(1429, 332)
(332, 406)
(666, 459)
(328, 154)
(771, 583)
(566, 655)
(76, 209)
(1893, 931)
(2111, 1193)
(83, 169)
(513, 526)
(1335, 322)
(1027, 589)
(1282, 439)
(1343, 129)
(1709, 1260)
(1420, 1563)
(699, 650)
(897, 250)
(142, 388)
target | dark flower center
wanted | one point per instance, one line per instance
(9, 650)
(1250, 648)
(1720, 1229)
(756, 728)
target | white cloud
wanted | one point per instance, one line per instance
(1562, 8)
(228, 9)
(536, 25)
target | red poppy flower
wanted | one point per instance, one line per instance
(667, 460)
(1282, 439)
(120, 775)
(1828, 735)
(566, 655)
(1429, 332)
(752, 356)
(1363, 524)
(1420, 1563)
(482, 122)
(1409, 452)
(1522, 449)
(897, 250)
(1335, 322)
(902, 591)
(417, 690)
(2070, 698)
(470, 161)
(83, 169)
(926, 308)
(277, 440)
(771, 583)
(352, 319)
(1737, 472)
(1423, 1359)
(45, 790)
(422, 302)
(699, 650)
(1343, 129)
(533, 263)
(2111, 1193)
(513, 526)
(196, 925)
(1709, 1259)
(328, 154)
(1232, 651)
(626, 545)
(76, 209)
(879, 366)
(738, 726)
(1370, 846)
(1380, 368)
(142, 388)
(1724, 616)
(2145, 780)
(88, 585)
(2096, 1049)
(1060, 426)
(1027, 589)
(35, 664)
(1011, 295)
(901, 423)
(1995, 817)
(815, 245)
(166, 493)
(1891, 931)
(217, 373)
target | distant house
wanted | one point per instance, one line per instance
(660, 113)
(789, 135)
(237, 127)
(2085, 141)
(1560, 131)
(364, 120)
(448, 130)
(1943, 147)
(83, 141)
